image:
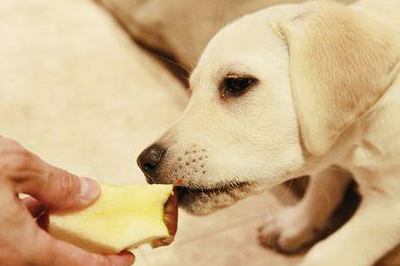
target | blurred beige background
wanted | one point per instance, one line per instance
(76, 90)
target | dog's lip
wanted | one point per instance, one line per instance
(221, 187)
(204, 200)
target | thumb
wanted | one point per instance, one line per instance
(55, 187)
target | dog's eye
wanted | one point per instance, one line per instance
(234, 85)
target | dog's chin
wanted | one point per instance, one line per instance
(203, 201)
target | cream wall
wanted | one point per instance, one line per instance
(77, 91)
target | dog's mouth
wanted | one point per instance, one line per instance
(204, 200)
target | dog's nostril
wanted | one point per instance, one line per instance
(148, 167)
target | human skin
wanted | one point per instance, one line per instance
(22, 241)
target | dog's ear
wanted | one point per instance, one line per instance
(341, 63)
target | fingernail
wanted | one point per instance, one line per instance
(90, 189)
(129, 255)
(132, 257)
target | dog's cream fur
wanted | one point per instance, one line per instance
(328, 96)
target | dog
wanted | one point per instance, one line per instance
(292, 90)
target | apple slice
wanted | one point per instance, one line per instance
(123, 217)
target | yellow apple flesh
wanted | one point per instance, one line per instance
(122, 218)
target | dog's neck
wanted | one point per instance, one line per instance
(377, 134)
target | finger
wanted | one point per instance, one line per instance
(53, 186)
(34, 206)
(49, 251)
(61, 190)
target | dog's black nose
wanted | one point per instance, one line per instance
(149, 160)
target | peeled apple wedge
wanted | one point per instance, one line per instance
(123, 217)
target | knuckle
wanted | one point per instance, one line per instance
(12, 254)
(49, 254)
(14, 160)
(7, 141)
(65, 183)
(38, 250)
(9, 145)
(89, 259)
(106, 261)
(19, 161)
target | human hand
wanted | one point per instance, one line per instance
(22, 241)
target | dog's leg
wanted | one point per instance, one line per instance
(372, 232)
(297, 226)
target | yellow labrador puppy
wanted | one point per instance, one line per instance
(308, 89)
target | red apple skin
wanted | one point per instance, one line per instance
(170, 220)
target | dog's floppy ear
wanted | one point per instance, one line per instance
(342, 62)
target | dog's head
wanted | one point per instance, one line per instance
(271, 91)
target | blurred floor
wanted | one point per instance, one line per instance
(77, 91)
